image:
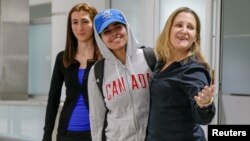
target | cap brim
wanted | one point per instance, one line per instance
(108, 22)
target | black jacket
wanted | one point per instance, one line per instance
(73, 89)
(174, 114)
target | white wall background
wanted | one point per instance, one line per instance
(140, 15)
(37, 2)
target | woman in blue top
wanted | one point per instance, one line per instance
(72, 67)
(176, 111)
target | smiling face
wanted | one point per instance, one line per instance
(115, 37)
(183, 32)
(82, 25)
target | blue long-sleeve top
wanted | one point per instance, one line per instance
(68, 76)
(79, 120)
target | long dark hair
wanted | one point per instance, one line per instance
(71, 41)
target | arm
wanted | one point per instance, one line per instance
(205, 97)
(193, 81)
(53, 99)
(97, 108)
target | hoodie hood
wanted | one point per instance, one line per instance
(131, 47)
(124, 103)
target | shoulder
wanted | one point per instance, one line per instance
(194, 69)
(59, 58)
(192, 63)
(60, 54)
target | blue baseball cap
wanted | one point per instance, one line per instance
(106, 17)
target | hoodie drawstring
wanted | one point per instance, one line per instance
(133, 73)
(117, 71)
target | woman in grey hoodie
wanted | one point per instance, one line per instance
(121, 112)
(125, 106)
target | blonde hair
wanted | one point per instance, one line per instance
(163, 45)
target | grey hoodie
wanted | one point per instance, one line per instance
(126, 94)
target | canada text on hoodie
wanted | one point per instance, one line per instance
(125, 106)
